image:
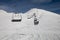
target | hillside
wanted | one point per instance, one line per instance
(47, 29)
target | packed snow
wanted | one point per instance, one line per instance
(47, 29)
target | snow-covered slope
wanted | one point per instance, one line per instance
(47, 29)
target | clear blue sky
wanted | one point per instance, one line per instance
(22, 0)
(25, 5)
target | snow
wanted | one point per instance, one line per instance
(47, 29)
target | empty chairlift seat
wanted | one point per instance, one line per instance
(36, 22)
(16, 17)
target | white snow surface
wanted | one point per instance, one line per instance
(47, 29)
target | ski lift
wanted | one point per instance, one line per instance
(16, 17)
(36, 22)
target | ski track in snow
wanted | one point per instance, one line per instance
(47, 29)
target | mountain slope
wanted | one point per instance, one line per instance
(47, 29)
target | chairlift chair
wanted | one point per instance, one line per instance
(16, 17)
(36, 22)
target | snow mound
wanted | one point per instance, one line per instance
(39, 13)
(47, 29)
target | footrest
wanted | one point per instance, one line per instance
(16, 20)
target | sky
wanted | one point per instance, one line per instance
(27, 0)
(25, 5)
